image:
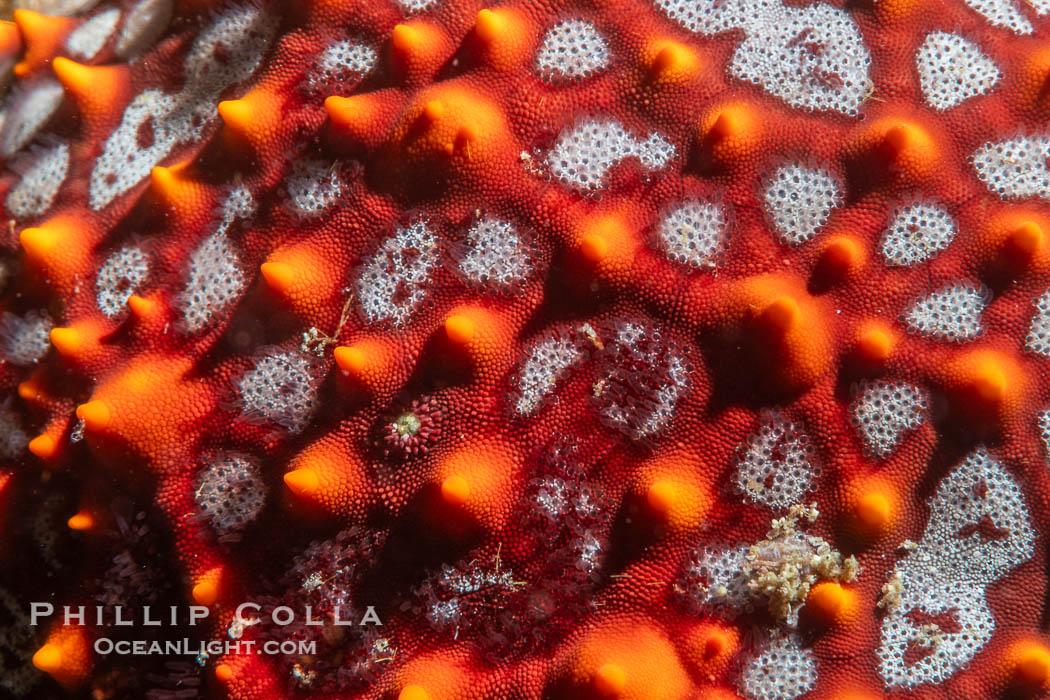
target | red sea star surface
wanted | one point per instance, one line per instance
(651, 349)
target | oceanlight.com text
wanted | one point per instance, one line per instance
(188, 647)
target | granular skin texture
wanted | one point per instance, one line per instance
(625, 349)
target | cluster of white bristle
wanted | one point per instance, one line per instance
(1038, 340)
(952, 70)
(643, 376)
(230, 493)
(1044, 430)
(216, 281)
(216, 278)
(547, 361)
(413, 6)
(917, 233)
(979, 529)
(143, 25)
(24, 339)
(86, 40)
(13, 438)
(225, 53)
(811, 57)
(692, 232)
(341, 65)
(281, 388)
(42, 176)
(777, 466)
(119, 278)
(952, 313)
(496, 255)
(585, 152)
(782, 670)
(392, 283)
(1015, 168)
(714, 579)
(571, 50)
(799, 200)
(313, 187)
(883, 411)
(1004, 13)
(28, 108)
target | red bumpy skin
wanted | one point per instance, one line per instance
(621, 349)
